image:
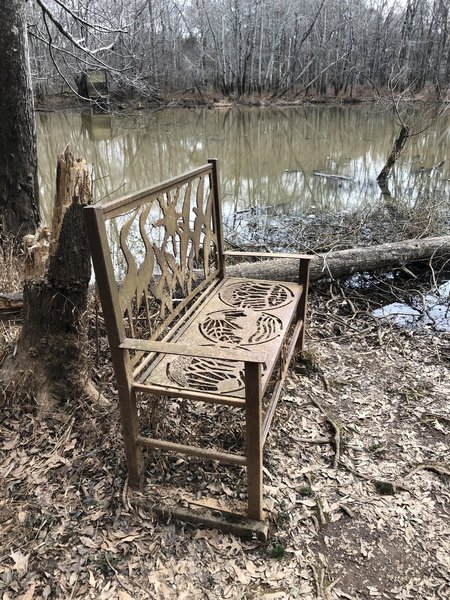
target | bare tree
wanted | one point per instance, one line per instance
(412, 120)
(242, 47)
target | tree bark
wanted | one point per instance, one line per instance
(341, 263)
(19, 212)
(53, 339)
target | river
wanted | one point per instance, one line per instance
(268, 156)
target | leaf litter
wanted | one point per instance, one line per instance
(356, 472)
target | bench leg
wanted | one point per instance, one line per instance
(130, 429)
(253, 419)
(303, 277)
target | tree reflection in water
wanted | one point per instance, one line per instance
(268, 156)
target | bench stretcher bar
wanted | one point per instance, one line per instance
(232, 459)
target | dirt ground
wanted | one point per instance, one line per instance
(357, 474)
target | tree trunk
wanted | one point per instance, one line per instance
(18, 168)
(342, 263)
(53, 339)
(397, 148)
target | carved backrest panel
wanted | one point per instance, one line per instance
(164, 245)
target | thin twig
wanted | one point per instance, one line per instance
(337, 427)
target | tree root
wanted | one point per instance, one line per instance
(318, 441)
(383, 487)
(21, 385)
(337, 428)
(428, 416)
(94, 395)
(440, 469)
(323, 589)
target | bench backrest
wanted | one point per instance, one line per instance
(154, 251)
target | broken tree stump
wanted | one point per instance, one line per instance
(52, 343)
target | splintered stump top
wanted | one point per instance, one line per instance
(60, 253)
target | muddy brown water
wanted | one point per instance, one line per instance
(268, 156)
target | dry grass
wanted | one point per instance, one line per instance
(11, 266)
(389, 220)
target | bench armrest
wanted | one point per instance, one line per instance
(267, 255)
(233, 354)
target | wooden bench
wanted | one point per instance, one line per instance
(179, 327)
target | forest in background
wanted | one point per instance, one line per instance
(277, 48)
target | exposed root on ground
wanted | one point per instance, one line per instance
(94, 395)
(323, 586)
(337, 428)
(440, 469)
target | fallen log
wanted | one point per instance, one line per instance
(330, 265)
(333, 176)
(341, 263)
(11, 304)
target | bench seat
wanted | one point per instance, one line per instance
(252, 316)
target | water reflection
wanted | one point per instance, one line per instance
(97, 127)
(267, 156)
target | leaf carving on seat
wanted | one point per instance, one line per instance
(206, 374)
(240, 328)
(257, 295)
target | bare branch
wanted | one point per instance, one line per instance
(77, 18)
(70, 37)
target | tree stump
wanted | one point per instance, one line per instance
(52, 343)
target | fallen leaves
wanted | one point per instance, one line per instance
(20, 561)
(67, 530)
(29, 594)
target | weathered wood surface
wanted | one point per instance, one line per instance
(11, 306)
(36, 248)
(204, 516)
(341, 263)
(333, 176)
(12, 301)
